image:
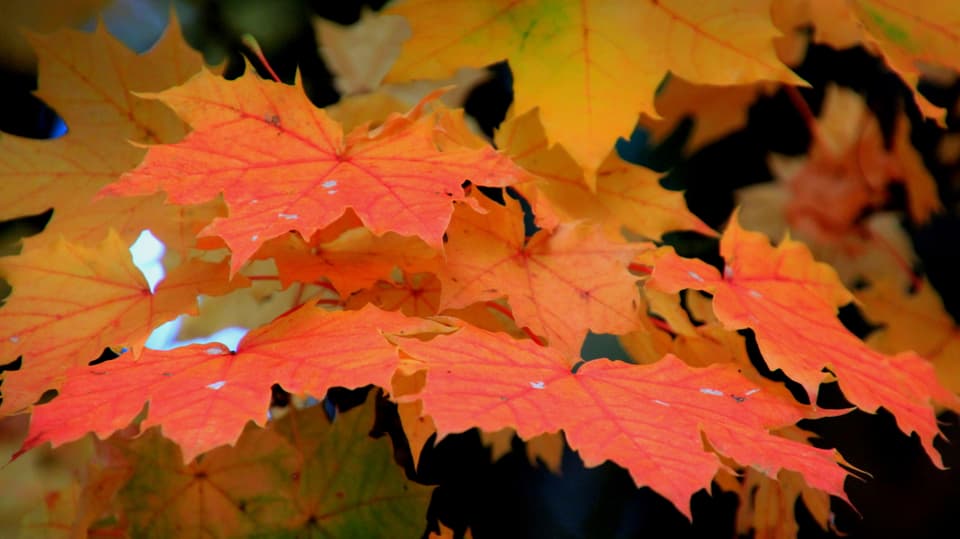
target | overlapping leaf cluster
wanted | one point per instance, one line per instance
(406, 276)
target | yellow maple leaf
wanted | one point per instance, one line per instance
(89, 79)
(591, 66)
(915, 322)
(69, 302)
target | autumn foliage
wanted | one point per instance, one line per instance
(461, 274)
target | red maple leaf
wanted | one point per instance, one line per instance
(70, 302)
(203, 395)
(282, 164)
(560, 284)
(790, 301)
(650, 419)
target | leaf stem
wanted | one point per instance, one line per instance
(916, 283)
(506, 312)
(251, 43)
(802, 107)
(640, 268)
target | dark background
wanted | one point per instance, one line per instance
(906, 495)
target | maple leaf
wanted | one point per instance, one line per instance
(417, 427)
(910, 40)
(848, 170)
(82, 505)
(227, 494)
(768, 506)
(301, 474)
(51, 497)
(907, 39)
(413, 295)
(546, 447)
(915, 322)
(448, 533)
(356, 259)
(283, 165)
(716, 111)
(202, 395)
(87, 79)
(250, 307)
(834, 199)
(38, 16)
(790, 302)
(928, 33)
(173, 225)
(559, 284)
(360, 55)
(372, 108)
(649, 419)
(625, 195)
(878, 248)
(590, 66)
(351, 485)
(69, 302)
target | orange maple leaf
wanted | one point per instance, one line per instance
(69, 302)
(716, 111)
(353, 261)
(203, 395)
(915, 322)
(88, 79)
(768, 505)
(559, 284)
(790, 302)
(650, 419)
(590, 66)
(849, 169)
(908, 38)
(413, 295)
(282, 164)
(625, 195)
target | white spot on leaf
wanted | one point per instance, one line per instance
(329, 183)
(752, 391)
(755, 294)
(214, 351)
(695, 276)
(728, 272)
(709, 391)
(537, 385)
(332, 192)
(661, 403)
(255, 237)
(14, 339)
(217, 385)
(288, 216)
